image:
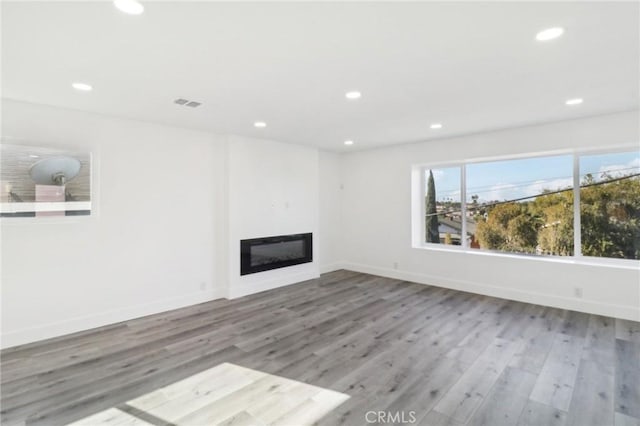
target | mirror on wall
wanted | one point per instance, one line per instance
(40, 181)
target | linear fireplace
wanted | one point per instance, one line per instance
(263, 254)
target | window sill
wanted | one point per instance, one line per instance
(587, 261)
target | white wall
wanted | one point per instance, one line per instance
(376, 221)
(171, 205)
(273, 190)
(149, 244)
(170, 208)
(330, 212)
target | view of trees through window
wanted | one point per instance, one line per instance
(444, 217)
(610, 205)
(516, 205)
(527, 205)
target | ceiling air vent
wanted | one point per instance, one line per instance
(187, 102)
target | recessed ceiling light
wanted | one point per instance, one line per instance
(348, 142)
(576, 101)
(549, 34)
(260, 124)
(83, 87)
(353, 95)
(34, 156)
(130, 7)
(436, 126)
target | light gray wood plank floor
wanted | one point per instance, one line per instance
(434, 355)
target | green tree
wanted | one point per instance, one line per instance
(508, 227)
(433, 235)
(610, 219)
(522, 233)
(555, 211)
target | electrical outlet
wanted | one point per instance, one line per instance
(577, 292)
(395, 265)
(203, 286)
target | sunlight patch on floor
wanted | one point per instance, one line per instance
(227, 394)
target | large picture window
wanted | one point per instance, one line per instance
(563, 205)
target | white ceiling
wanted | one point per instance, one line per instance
(471, 66)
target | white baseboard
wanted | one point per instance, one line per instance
(581, 305)
(33, 334)
(269, 284)
(74, 325)
(331, 267)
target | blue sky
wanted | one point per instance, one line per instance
(504, 180)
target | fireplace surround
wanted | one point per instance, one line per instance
(266, 253)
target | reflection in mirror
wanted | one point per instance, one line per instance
(38, 181)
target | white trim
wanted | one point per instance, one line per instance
(584, 260)
(577, 236)
(442, 247)
(74, 325)
(44, 206)
(417, 205)
(463, 205)
(331, 267)
(617, 311)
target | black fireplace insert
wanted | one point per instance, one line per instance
(263, 254)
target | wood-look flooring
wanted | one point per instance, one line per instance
(224, 395)
(441, 357)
